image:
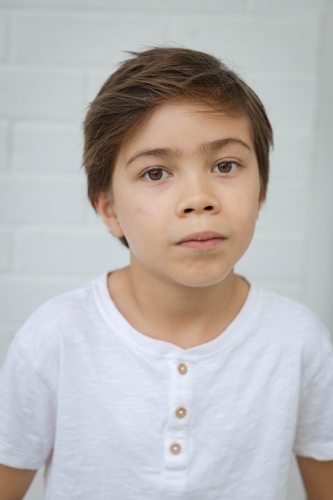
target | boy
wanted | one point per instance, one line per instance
(172, 378)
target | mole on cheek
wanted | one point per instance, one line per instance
(143, 211)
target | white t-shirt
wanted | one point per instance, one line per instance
(118, 415)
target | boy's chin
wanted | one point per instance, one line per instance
(182, 273)
(205, 279)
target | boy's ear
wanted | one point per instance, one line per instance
(105, 206)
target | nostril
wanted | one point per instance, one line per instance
(209, 207)
(188, 210)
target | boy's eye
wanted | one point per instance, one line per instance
(225, 167)
(155, 174)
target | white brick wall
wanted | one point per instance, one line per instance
(293, 157)
(3, 145)
(286, 208)
(33, 92)
(79, 251)
(188, 5)
(274, 257)
(290, 99)
(37, 199)
(245, 41)
(5, 246)
(82, 39)
(3, 31)
(46, 147)
(294, 6)
(54, 56)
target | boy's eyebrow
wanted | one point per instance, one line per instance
(221, 143)
(206, 146)
(157, 152)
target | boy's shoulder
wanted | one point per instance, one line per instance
(65, 313)
(57, 326)
(291, 321)
(285, 309)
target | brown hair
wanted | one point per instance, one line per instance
(155, 76)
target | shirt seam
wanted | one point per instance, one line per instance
(318, 376)
(6, 452)
(40, 376)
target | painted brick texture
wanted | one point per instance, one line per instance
(46, 147)
(27, 92)
(40, 199)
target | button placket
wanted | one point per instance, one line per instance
(177, 428)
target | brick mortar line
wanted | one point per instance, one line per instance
(291, 15)
(17, 175)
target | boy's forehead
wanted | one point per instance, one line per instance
(176, 125)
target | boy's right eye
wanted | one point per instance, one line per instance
(155, 174)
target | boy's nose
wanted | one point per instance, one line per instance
(198, 203)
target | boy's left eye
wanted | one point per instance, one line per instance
(225, 167)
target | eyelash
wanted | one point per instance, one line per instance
(160, 169)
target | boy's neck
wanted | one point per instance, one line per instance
(184, 316)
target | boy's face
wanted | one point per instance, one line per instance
(186, 194)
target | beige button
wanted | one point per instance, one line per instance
(175, 448)
(181, 412)
(182, 369)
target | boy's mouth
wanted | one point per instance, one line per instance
(204, 240)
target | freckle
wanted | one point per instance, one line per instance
(143, 211)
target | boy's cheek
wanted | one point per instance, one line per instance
(144, 211)
(245, 206)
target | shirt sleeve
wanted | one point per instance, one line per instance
(314, 434)
(27, 412)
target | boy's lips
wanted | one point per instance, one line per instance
(204, 240)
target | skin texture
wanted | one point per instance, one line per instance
(317, 478)
(153, 215)
(173, 291)
(14, 483)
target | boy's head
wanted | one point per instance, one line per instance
(152, 78)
